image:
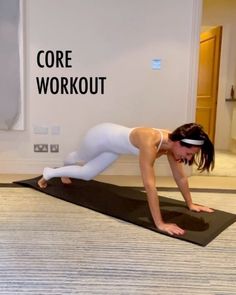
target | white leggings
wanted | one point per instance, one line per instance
(101, 146)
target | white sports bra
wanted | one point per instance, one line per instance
(161, 134)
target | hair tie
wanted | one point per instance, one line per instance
(192, 141)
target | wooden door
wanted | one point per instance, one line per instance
(208, 76)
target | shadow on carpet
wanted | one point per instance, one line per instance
(130, 204)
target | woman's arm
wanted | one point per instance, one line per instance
(146, 160)
(180, 179)
(182, 183)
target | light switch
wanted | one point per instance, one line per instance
(156, 64)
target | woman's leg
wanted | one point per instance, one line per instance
(95, 153)
(85, 172)
(74, 158)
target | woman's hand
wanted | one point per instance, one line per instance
(171, 229)
(200, 208)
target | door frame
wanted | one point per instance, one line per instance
(194, 59)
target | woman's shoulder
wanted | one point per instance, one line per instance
(145, 136)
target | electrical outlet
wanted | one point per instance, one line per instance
(54, 148)
(41, 148)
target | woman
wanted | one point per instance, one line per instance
(104, 143)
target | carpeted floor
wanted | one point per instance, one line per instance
(50, 247)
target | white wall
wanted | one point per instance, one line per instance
(215, 13)
(116, 39)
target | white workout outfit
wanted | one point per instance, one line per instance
(101, 146)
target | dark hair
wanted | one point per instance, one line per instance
(205, 160)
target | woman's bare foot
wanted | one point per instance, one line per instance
(42, 183)
(66, 180)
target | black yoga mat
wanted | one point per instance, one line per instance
(130, 204)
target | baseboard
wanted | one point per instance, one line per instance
(125, 165)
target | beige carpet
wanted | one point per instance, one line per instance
(52, 247)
